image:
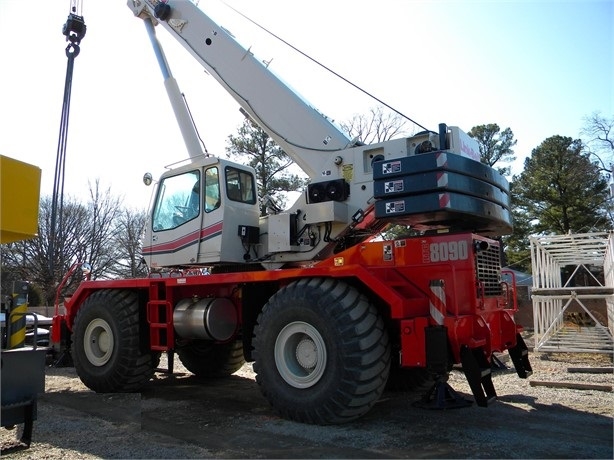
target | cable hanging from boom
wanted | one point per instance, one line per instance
(74, 30)
(328, 69)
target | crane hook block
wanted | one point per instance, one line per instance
(162, 11)
(74, 29)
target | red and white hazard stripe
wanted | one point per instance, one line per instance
(442, 179)
(444, 200)
(437, 301)
(442, 159)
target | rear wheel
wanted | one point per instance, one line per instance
(207, 359)
(106, 343)
(321, 352)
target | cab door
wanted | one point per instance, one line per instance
(174, 235)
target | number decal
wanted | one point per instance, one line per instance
(448, 251)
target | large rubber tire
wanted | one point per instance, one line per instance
(210, 360)
(322, 354)
(106, 344)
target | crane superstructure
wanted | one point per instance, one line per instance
(328, 315)
(340, 172)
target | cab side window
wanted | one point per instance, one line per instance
(212, 189)
(240, 185)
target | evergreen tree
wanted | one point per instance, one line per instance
(268, 159)
(561, 190)
(516, 245)
(495, 145)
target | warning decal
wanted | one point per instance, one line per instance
(391, 167)
(395, 206)
(394, 186)
(387, 252)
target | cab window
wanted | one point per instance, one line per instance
(212, 189)
(178, 201)
(240, 185)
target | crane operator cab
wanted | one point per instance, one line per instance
(196, 212)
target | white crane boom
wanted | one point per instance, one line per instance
(299, 129)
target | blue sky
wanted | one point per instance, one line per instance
(537, 67)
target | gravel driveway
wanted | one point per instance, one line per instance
(180, 417)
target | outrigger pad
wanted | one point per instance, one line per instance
(520, 358)
(496, 364)
(479, 376)
(442, 396)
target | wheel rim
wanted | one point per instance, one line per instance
(300, 354)
(98, 342)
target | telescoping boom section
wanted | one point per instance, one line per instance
(329, 314)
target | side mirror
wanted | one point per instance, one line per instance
(147, 179)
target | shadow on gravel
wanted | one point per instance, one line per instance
(229, 418)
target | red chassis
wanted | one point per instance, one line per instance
(476, 308)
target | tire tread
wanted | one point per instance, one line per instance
(366, 350)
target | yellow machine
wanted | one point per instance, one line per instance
(19, 196)
(18, 221)
(23, 367)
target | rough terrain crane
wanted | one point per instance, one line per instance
(327, 314)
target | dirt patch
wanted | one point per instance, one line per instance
(181, 417)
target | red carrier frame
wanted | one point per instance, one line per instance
(447, 280)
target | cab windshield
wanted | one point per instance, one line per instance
(178, 201)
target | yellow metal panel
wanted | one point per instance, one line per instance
(19, 199)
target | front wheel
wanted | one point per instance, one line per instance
(321, 352)
(106, 343)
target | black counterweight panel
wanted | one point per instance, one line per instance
(440, 190)
(438, 161)
(440, 181)
(447, 210)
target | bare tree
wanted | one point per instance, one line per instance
(598, 129)
(128, 231)
(30, 259)
(376, 126)
(98, 248)
(87, 235)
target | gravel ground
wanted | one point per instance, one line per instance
(578, 423)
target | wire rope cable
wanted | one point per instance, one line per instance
(74, 29)
(328, 69)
